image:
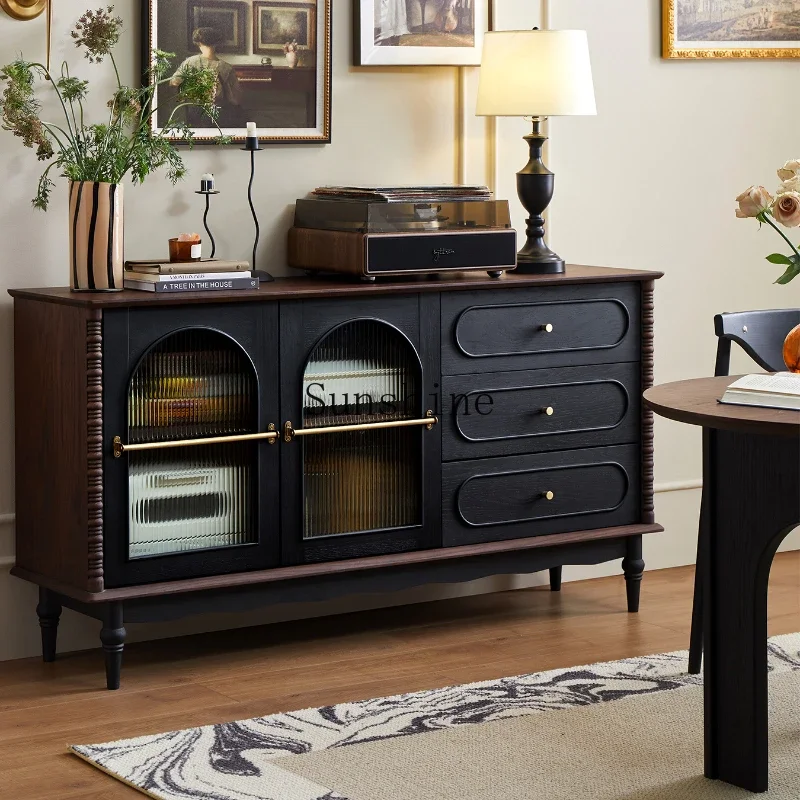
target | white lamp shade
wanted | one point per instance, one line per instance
(536, 74)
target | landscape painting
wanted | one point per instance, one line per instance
(417, 32)
(276, 24)
(731, 28)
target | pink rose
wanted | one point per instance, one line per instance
(786, 209)
(790, 185)
(789, 169)
(753, 201)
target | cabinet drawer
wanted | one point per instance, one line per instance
(506, 498)
(552, 326)
(504, 413)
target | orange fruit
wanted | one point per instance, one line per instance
(791, 350)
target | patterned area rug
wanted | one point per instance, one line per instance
(494, 739)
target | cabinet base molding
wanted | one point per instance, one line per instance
(340, 569)
(113, 610)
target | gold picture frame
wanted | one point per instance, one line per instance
(745, 21)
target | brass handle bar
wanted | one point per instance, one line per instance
(289, 432)
(120, 447)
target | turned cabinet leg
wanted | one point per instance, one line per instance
(112, 635)
(555, 579)
(633, 567)
(49, 612)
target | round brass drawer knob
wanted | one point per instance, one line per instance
(548, 495)
(547, 328)
(548, 410)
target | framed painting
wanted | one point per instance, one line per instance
(731, 28)
(419, 32)
(278, 24)
(227, 17)
(272, 59)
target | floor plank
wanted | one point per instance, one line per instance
(200, 680)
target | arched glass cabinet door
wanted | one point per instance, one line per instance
(364, 377)
(192, 403)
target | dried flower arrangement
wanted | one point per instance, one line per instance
(125, 144)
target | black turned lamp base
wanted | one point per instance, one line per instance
(535, 189)
(535, 266)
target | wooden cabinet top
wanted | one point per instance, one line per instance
(309, 288)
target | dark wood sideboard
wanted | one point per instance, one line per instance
(177, 454)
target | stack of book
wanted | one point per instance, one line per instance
(208, 274)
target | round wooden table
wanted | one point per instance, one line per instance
(696, 403)
(751, 497)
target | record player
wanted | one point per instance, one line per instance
(361, 233)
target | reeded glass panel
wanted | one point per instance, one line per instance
(361, 481)
(193, 384)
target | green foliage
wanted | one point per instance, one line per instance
(160, 64)
(198, 86)
(73, 90)
(126, 143)
(792, 270)
(779, 258)
(126, 105)
(20, 108)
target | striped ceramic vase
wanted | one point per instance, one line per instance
(95, 236)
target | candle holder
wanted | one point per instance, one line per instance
(252, 145)
(207, 193)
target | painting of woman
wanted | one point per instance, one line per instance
(228, 93)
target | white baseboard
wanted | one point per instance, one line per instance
(678, 486)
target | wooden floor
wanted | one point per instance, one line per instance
(238, 674)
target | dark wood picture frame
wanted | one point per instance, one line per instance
(304, 122)
(265, 5)
(237, 7)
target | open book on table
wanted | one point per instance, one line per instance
(781, 390)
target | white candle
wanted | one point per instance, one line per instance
(251, 129)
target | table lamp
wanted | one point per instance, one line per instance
(536, 74)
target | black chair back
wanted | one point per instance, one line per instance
(759, 333)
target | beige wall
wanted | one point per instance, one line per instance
(648, 183)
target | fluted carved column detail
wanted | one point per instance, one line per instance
(648, 515)
(94, 430)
